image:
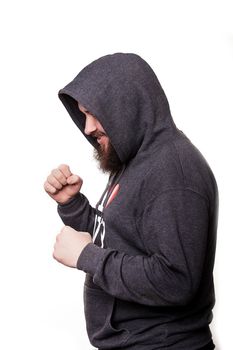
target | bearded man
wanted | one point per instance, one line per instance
(148, 247)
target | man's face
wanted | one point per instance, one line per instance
(94, 128)
(105, 154)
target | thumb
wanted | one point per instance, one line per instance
(73, 179)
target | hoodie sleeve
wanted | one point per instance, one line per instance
(78, 213)
(174, 229)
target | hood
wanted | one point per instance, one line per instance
(122, 91)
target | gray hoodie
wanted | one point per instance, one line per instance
(149, 270)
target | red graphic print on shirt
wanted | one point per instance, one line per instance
(113, 194)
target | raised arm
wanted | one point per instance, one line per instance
(78, 213)
(73, 207)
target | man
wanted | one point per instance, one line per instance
(148, 247)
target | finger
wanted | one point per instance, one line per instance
(63, 229)
(54, 182)
(49, 188)
(60, 177)
(54, 255)
(65, 169)
(73, 179)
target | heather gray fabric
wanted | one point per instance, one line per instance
(149, 271)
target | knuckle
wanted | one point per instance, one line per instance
(57, 174)
(61, 177)
(63, 166)
(54, 182)
(47, 187)
(50, 178)
(63, 228)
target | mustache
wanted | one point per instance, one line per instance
(97, 134)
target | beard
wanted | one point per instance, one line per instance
(108, 159)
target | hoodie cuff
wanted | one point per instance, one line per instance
(90, 257)
(72, 202)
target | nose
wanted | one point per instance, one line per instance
(90, 125)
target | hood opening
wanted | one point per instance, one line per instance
(77, 116)
(122, 91)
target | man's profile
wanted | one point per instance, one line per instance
(148, 247)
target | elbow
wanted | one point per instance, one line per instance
(182, 299)
(180, 294)
(177, 297)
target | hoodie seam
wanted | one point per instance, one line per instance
(184, 189)
(179, 160)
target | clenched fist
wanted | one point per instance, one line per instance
(62, 185)
(69, 245)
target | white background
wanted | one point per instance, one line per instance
(44, 44)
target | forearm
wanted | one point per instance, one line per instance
(77, 213)
(170, 270)
(141, 279)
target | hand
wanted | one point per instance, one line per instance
(69, 245)
(62, 185)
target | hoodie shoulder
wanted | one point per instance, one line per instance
(178, 164)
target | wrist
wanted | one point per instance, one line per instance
(69, 201)
(90, 258)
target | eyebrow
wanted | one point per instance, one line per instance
(85, 111)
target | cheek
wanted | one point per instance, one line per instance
(99, 127)
(106, 142)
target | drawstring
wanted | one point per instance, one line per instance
(99, 220)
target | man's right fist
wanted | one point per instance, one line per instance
(62, 185)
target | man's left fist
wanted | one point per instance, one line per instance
(69, 245)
